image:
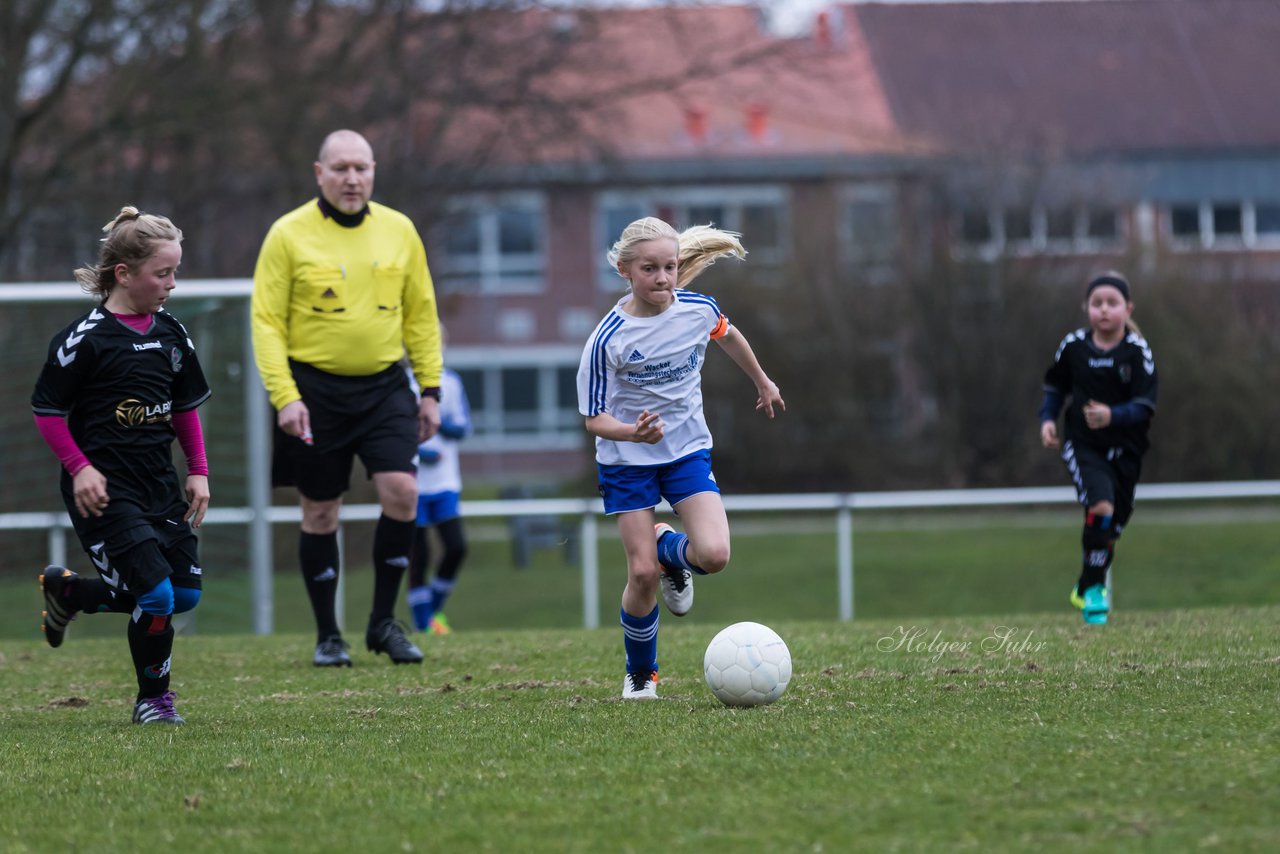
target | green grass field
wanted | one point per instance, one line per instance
(906, 565)
(921, 726)
(1158, 732)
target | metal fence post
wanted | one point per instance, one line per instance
(844, 558)
(590, 571)
(256, 424)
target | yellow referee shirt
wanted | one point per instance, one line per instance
(349, 301)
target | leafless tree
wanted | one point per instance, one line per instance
(211, 109)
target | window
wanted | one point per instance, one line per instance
(522, 398)
(614, 218)
(1228, 221)
(1223, 224)
(1267, 221)
(758, 213)
(1062, 229)
(1017, 225)
(871, 232)
(1185, 221)
(492, 244)
(762, 226)
(1060, 225)
(975, 227)
(1102, 224)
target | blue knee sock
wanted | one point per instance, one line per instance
(422, 605)
(640, 639)
(673, 552)
(426, 602)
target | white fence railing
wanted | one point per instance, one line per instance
(843, 504)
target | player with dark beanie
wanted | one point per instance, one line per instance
(1106, 374)
(119, 384)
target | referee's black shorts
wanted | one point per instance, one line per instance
(373, 417)
(1104, 474)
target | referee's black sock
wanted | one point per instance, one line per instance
(318, 557)
(392, 541)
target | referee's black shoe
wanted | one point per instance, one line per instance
(57, 613)
(388, 636)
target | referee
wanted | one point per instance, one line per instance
(340, 292)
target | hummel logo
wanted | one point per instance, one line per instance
(328, 575)
(636, 356)
(329, 293)
(401, 562)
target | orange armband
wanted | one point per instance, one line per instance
(721, 328)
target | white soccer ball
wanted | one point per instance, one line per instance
(747, 664)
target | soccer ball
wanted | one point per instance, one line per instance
(747, 664)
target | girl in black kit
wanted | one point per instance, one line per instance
(1109, 375)
(121, 381)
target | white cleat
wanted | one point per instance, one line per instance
(676, 584)
(640, 686)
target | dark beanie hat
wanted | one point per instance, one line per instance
(1115, 280)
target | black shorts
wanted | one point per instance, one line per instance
(373, 417)
(136, 559)
(1104, 474)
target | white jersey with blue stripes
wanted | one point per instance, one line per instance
(445, 475)
(632, 364)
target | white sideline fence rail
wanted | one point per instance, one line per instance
(843, 504)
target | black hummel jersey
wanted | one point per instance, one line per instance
(1126, 373)
(118, 389)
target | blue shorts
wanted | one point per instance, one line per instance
(626, 488)
(437, 507)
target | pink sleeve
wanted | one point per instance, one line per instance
(191, 437)
(57, 435)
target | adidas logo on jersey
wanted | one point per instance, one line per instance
(329, 293)
(636, 356)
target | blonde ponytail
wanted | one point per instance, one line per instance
(701, 246)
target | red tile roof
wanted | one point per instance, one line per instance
(703, 82)
(1080, 75)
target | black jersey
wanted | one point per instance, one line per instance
(118, 389)
(1126, 373)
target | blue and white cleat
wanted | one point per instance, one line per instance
(676, 583)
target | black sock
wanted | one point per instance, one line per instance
(1099, 548)
(151, 645)
(318, 557)
(419, 558)
(455, 548)
(94, 596)
(391, 543)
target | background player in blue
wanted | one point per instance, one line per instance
(640, 389)
(120, 382)
(439, 493)
(1109, 376)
